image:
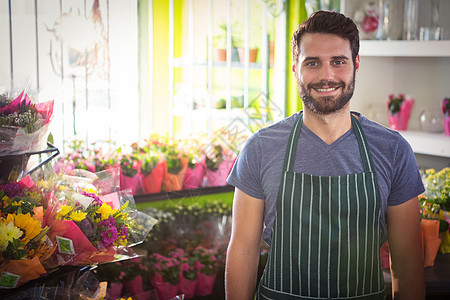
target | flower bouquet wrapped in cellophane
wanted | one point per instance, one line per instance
(24, 126)
(435, 204)
(91, 221)
(24, 244)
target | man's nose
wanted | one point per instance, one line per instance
(326, 73)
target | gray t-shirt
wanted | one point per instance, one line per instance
(258, 168)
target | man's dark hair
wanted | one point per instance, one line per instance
(330, 23)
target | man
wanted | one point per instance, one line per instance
(324, 188)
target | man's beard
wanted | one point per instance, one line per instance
(326, 104)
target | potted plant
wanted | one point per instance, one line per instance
(218, 165)
(220, 44)
(446, 111)
(195, 169)
(165, 273)
(176, 165)
(129, 175)
(399, 111)
(207, 266)
(152, 170)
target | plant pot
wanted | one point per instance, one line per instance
(134, 286)
(271, 53)
(174, 182)
(132, 183)
(114, 290)
(152, 182)
(221, 54)
(194, 177)
(447, 125)
(205, 284)
(399, 120)
(164, 289)
(430, 240)
(253, 54)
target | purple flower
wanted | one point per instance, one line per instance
(109, 231)
(12, 189)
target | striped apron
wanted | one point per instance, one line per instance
(327, 236)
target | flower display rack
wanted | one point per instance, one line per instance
(8, 163)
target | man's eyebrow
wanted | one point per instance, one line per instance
(313, 58)
(340, 57)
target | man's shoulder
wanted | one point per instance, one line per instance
(382, 136)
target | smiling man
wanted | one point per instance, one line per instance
(325, 188)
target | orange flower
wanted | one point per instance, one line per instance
(26, 223)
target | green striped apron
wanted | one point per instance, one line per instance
(327, 236)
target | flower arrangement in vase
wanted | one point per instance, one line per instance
(446, 111)
(399, 110)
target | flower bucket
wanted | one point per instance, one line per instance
(114, 290)
(205, 284)
(14, 273)
(134, 286)
(218, 177)
(194, 177)
(132, 183)
(384, 255)
(188, 287)
(152, 182)
(447, 125)
(430, 241)
(174, 182)
(164, 289)
(399, 120)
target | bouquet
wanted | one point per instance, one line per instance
(91, 222)
(435, 206)
(23, 238)
(24, 126)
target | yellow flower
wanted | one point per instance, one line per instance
(7, 234)
(90, 189)
(15, 203)
(78, 216)
(63, 211)
(105, 210)
(7, 199)
(28, 224)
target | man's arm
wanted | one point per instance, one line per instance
(243, 249)
(407, 270)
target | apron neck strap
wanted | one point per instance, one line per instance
(291, 148)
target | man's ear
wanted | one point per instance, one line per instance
(294, 68)
(357, 63)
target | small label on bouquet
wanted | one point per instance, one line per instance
(9, 280)
(65, 245)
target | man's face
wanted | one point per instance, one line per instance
(325, 72)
